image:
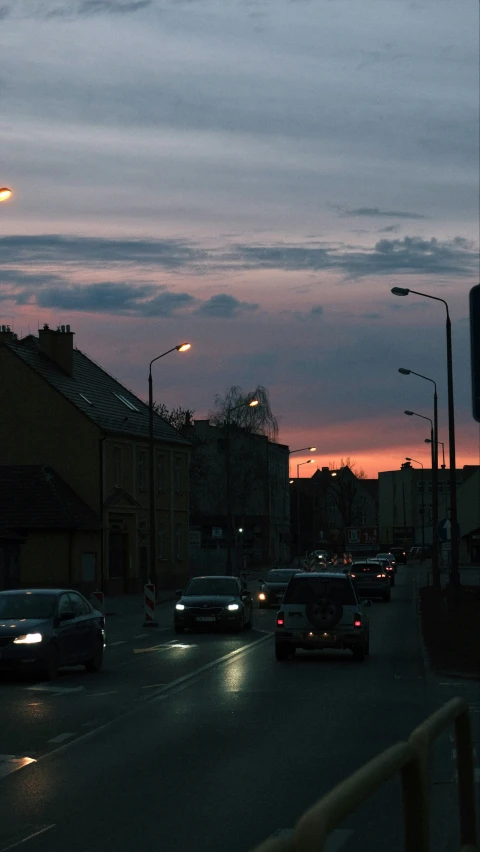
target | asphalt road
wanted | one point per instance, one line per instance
(206, 740)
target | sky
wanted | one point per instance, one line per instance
(252, 176)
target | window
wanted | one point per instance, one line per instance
(64, 605)
(88, 567)
(363, 517)
(161, 540)
(429, 486)
(179, 541)
(142, 470)
(161, 472)
(178, 473)
(127, 402)
(302, 590)
(420, 487)
(117, 466)
(86, 398)
(78, 605)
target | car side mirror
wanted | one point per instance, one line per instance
(178, 593)
(245, 594)
(67, 616)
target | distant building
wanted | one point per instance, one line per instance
(63, 411)
(260, 498)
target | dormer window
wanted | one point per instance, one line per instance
(126, 401)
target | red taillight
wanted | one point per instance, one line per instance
(280, 621)
(381, 576)
(357, 622)
(352, 575)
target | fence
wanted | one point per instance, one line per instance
(410, 759)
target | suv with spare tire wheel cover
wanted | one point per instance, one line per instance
(322, 610)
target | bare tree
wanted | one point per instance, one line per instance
(233, 405)
(178, 417)
(181, 419)
(343, 490)
(351, 463)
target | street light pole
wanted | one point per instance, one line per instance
(423, 505)
(435, 566)
(182, 347)
(228, 473)
(434, 437)
(455, 581)
(298, 502)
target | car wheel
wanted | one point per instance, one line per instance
(94, 664)
(359, 653)
(50, 668)
(178, 629)
(281, 650)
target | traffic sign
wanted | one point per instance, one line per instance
(444, 529)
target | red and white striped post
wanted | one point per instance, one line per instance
(98, 601)
(149, 596)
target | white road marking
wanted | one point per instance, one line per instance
(61, 738)
(28, 837)
(151, 649)
(153, 685)
(99, 694)
(55, 690)
(9, 763)
(113, 644)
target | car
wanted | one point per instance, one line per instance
(400, 554)
(217, 601)
(390, 558)
(386, 566)
(370, 580)
(45, 629)
(273, 586)
(322, 610)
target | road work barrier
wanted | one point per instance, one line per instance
(410, 759)
(149, 598)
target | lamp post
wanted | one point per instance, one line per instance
(310, 449)
(5, 193)
(182, 347)
(455, 581)
(443, 466)
(251, 404)
(298, 502)
(423, 505)
(434, 438)
(435, 569)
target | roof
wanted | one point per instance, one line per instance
(35, 497)
(93, 391)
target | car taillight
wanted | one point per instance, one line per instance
(357, 620)
(352, 575)
(280, 621)
(381, 576)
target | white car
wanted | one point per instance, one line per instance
(390, 557)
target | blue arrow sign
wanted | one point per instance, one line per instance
(444, 529)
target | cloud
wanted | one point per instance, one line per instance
(225, 306)
(48, 9)
(98, 298)
(389, 229)
(376, 211)
(313, 314)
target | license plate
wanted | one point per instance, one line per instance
(205, 618)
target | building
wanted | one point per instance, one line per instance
(405, 496)
(259, 495)
(327, 506)
(468, 511)
(61, 410)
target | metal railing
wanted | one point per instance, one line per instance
(410, 759)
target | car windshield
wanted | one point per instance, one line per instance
(279, 576)
(212, 586)
(25, 605)
(371, 567)
(384, 556)
(304, 590)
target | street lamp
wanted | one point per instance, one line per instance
(454, 568)
(249, 404)
(182, 347)
(423, 505)
(5, 193)
(443, 466)
(298, 501)
(434, 438)
(311, 449)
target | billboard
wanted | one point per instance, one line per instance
(361, 536)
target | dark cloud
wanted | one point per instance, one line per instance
(389, 229)
(48, 9)
(376, 211)
(287, 257)
(313, 314)
(225, 306)
(166, 304)
(97, 251)
(98, 298)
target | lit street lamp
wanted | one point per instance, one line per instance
(423, 505)
(434, 438)
(251, 404)
(455, 581)
(182, 347)
(5, 193)
(310, 449)
(298, 501)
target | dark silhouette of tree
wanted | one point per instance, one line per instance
(233, 405)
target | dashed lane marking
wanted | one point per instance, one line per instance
(61, 738)
(55, 690)
(10, 763)
(153, 685)
(114, 644)
(41, 829)
(100, 694)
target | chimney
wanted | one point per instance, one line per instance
(58, 346)
(6, 334)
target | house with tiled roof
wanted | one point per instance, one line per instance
(62, 410)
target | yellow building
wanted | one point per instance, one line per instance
(61, 409)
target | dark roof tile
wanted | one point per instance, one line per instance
(36, 497)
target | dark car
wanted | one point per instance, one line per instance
(400, 554)
(386, 566)
(217, 601)
(45, 629)
(370, 580)
(273, 586)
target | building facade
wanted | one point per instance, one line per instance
(63, 410)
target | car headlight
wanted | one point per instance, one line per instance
(232, 607)
(179, 606)
(28, 639)
(262, 596)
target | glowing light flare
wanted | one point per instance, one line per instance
(5, 193)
